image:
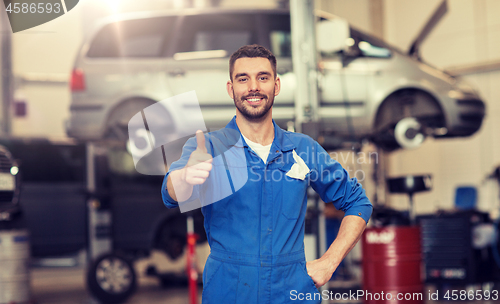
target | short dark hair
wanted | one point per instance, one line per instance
(251, 51)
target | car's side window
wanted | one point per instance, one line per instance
(281, 43)
(216, 32)
(132, 38)
(219, 40)
(370, 50)
(369, 47)
(280, 39)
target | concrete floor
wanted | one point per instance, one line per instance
(67, 286)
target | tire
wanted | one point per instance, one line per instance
(172, 237)
(117, 123)
(407, 133)
(111, 278)
(403, 118)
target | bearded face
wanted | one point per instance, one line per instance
(253, 88)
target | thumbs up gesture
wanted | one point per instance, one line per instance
(199, 164)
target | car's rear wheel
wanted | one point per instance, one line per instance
(119, 118)
(111, 278)
(405, 119)
(142, 125)
(117, 124)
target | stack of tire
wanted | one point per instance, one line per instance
(14, 237)
(14, 263)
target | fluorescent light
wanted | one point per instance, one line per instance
(200, 55)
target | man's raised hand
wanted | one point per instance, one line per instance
(180, 182)
(199, 164)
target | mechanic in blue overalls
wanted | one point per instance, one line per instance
(251, 180)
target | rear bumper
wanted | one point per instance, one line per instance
(86, 123)
(468, 117)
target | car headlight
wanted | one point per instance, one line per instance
(14, 170)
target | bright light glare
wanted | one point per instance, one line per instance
(364, 45)
(349, 42)
(14, 170)
(113, 5)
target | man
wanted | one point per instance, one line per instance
(256, 233)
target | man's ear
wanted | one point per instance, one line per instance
(277, 86)
(229, 88)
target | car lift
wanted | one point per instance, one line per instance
(99, 213)
(303, 32)
(110, 276)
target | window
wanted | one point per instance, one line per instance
(220, 40)
(279, 35)
(370, 50)
(216, 32)
(281, 44)
(370, 46)
(133, 38)
(142, 46)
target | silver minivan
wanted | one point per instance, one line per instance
(367, 89)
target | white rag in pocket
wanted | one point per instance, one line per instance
(299, 170)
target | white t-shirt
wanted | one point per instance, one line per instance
(262, 151)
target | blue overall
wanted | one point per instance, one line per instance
(256, 234)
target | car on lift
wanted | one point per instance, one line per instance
(367, 88)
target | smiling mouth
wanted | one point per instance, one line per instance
(254, 100)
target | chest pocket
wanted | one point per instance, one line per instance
(293, 194)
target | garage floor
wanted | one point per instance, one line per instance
(65, 285)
